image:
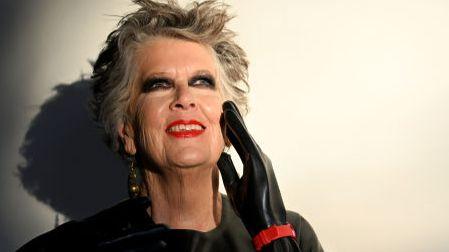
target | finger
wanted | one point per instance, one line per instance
(243, 154)
(230, 105)
(237, 132)
(227, 170)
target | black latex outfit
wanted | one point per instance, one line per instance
(128, 227)
(255, 196)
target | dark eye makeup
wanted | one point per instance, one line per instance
(203, 80)
(156, 83)
(162, 83)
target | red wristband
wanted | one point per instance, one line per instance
(272, 233)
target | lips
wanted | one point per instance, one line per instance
(185, 128)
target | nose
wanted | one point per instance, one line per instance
(184, 99)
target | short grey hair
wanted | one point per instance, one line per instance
(114, 71)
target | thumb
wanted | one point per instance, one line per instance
(227, 170)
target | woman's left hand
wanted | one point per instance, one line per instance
(255, 196)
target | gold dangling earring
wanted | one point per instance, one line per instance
(133, 186)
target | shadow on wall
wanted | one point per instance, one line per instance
(68, 167)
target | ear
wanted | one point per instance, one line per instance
(223, 131)
(126, 133)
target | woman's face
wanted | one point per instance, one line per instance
(178, 105)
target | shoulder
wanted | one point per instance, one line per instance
(306, 236)
(107, 224)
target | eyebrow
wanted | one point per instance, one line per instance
(167, 74)
(203, 72)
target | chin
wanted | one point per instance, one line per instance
(188, 158)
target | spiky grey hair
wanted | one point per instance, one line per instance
(114, 71)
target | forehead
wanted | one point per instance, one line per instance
(174, 57)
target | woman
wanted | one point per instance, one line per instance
(160, 87)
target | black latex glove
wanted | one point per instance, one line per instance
(255, 196)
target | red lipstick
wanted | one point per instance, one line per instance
(183, 132)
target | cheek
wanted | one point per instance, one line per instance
(149, 120)
(213, 111)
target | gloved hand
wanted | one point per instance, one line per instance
(255, 196)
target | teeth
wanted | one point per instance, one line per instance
(185, 127)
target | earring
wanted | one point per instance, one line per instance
(133, 186)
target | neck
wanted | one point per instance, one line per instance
(185, 198)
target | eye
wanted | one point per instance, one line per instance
(203, 81)
(156, 83)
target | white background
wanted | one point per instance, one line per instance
(349, 99)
